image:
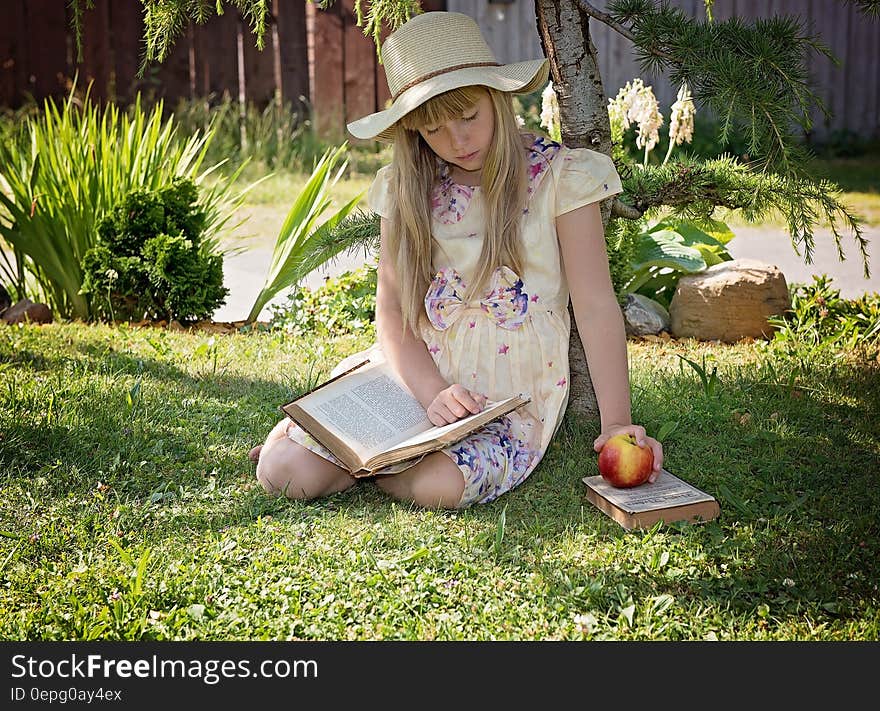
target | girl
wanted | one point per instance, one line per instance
(486, 232)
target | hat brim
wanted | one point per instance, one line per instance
(517, 78)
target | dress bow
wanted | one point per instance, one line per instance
(505, 302)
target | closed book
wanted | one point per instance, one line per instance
(668, 499)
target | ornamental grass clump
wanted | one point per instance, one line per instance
(66, 170)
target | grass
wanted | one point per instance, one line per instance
(129, 509)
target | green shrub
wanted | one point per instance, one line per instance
(150, 259)
(342, 305)
(819, 319)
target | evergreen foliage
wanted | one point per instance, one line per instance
(150, 259)
(693, 188)
(752, 74)
(359, 230)
(871, 8)
(166, 20)
(383, 13)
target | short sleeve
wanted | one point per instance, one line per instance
(378, 194)
(584, 176)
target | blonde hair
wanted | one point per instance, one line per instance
(415, 169)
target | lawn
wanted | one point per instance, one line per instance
(129, 509)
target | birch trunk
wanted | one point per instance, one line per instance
(565, 36)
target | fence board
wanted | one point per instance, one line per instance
(359, 73)
(294, 53)
(48, 57)
(96, 49)
(12, 56)
(127, 24)
(259, 72)
(328, 95)
(383, 93)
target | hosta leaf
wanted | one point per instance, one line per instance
(663, 249)
(712, 232)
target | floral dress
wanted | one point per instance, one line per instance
(514, 338)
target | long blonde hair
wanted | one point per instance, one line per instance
(415, 169)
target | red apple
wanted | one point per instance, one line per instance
(622, 463)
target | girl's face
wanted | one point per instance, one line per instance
(464, 140)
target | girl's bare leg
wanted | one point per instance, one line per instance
(435, 482)
(288, 468)
(278, 431)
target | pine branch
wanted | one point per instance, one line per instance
(694, 189)
(609, 20)
(752, 75)
(76, 11)
(166, 20)
(871, 8)
(359, 230)
(389, 13)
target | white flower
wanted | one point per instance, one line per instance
(111, 274)
(636, 103)
(585, 623)
(645, 111)
(520, 121)
(617, 113)
(681, 122)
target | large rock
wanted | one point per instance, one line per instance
(643, 316)
(729, 301)
(5, 300)
(26, 311)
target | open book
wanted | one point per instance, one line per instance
(667, 499)
(369, 419)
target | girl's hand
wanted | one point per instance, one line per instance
(453, 403)
(642, 440)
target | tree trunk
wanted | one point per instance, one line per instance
(565, 36)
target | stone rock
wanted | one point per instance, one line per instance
(729, 301)
(5, 300)
(26, 311)
(643, 316)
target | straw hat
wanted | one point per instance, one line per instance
(435, 52)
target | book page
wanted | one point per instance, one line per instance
(368, 408)
(436, 432)
(667, 491)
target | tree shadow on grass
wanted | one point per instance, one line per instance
(796, 478)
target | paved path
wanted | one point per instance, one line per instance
(773, 246)
(244, 273)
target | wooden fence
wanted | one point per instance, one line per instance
(323, 56)
(851, 91)
(38, 54)
(319, 55)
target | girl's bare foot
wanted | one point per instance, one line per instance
(254, 454)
